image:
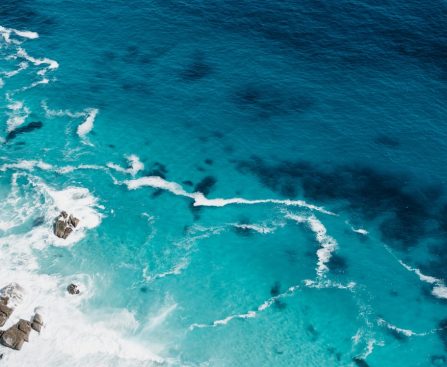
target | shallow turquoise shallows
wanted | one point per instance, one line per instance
(258, 183)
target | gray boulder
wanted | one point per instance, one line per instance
(65, 224)
(73, 289)
(16, 335)
(37, 322)
(5, 311)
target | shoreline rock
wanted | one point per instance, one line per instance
(64, 224)
(5, 311)
(37, 322)
(16, 335)
(73, 289)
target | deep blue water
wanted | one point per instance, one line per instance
(319, 126)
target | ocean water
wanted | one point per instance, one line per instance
(258, 183)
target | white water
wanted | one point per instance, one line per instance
(327, 243)
(87, 125)
(201, 200)
(69, 337)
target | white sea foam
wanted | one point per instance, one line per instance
(68, 169)
(157, 320)
(134, 165)
(26, 34)
(323, 284)
(361, 231)
(439, 290)
(250, 314)
(51, 64)
(327, 243)
(87, 125)
(201, 200)
(44, 65)
(176, 270)
(22, 66)
(6, 34)
(34, 84)
(26, 165)
(406, 332)
(255, 227)
(69, 337)
(226, 320)
(17, 113)
(357, 337)
(14, 292)
(61, 113)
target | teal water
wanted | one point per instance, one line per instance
(259, 184)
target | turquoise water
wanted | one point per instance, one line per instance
(258, 183)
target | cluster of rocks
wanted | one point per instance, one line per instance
(16, 335)
(65, 224)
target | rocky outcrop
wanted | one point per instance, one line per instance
(37, 322)
(16, 335)
(13, 293)
(5, 311)
(65, 224)
(73, 289)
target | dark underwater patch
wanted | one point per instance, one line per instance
(22, 15)
(360, 362)
(195, 211)
(108, 55)
(188, 183)
(266, 101)
(206, 185)
(300, 29)
(334, 352)
(337, 264)
(34, 125)
(442, 332)
(209, 162)
(394, 293)
(370, 192)
(157, 193)
(291, 255)
(228, 149)
(197, 69)
(387, 141)
(438, 360)
(312, 332)
(437, 266)
(157, 169)
(275, 291)
(218, 134)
